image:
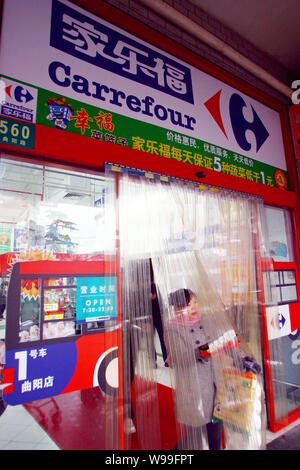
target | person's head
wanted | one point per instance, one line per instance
(184, 301)
(153, 291)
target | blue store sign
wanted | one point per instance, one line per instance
(96, 299)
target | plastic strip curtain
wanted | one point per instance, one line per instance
(110, 369)
(211, 272)
(202, 243)
(140, 407)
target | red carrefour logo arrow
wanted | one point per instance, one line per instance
(213, 106)
(7, 90)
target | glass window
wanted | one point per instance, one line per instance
(58, 329)
(50, 213)
(72, 212)
(280, 287)
(60, 281)
(289, 294)
(30, 310)
(59, 303)
(279, 233)
(284, 287)
(51, 209)
(22, 177)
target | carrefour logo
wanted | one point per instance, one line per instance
(17, 100)
(20, 93)
(240, 125)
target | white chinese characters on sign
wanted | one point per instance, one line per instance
(101, 289)
(36, 383)
(92, 42)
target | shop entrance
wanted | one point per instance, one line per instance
(181, 235)
(149, 232)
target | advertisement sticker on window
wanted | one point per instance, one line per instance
(96, 299)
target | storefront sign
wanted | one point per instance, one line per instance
(37, 374)
(97, 80)
(18, 100)
(96, 299)
(278, 321)
(17, 133)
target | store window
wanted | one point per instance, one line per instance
(51, 310)
(30, 310)
(279, 234)
(283, 282)
(50, 213)
(283, 286)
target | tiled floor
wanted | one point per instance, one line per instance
(20, 431)
(283, 432)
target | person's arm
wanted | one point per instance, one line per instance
(180, 352)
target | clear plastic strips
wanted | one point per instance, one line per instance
(203, 245)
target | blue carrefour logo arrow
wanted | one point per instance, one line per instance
(241, 126)
(282, 320)
(22, 94)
